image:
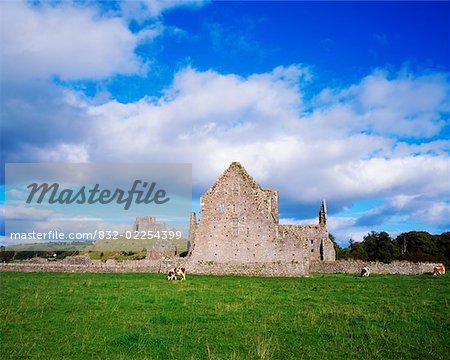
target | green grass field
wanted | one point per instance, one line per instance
(144, 316)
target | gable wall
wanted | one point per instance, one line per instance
(238, 221)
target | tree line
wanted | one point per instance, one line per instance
(413, 246)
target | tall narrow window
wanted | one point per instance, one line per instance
(235, 188)
(235, 227)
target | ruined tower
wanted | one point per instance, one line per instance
(323, 214)
(148, 224)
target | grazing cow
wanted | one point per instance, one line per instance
(439, 269)
(365, 271)
(177, 272)
(171, 275)
(52, 258)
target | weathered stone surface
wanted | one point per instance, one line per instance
(269, 269)
(162, 248)
(286, 269)
(239, 225)
(77, 260)
(148, 224)
(238, 233)
(355, 266)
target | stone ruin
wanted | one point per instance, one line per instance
(148, 224)
(162, 248)
(238, 233)
(239, 226)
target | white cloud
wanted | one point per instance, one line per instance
(406, 105)
(437, 213)
(66, 40)
(141, 10)
(212, 119)
(334, 148)
(26, 212)
(79, 41)
(63, 153)
(343, 144)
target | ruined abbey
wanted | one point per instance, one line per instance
(239, 226)
(148, 224)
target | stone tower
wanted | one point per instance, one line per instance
(323, 214)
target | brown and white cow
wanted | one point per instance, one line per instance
(365, 271)
(177, 272)
(439, 269)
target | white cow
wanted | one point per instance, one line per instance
(365, 271)
(174, 273)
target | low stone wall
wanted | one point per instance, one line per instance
(85, 264)
(354, 267)
(269, 269)
(107, 267)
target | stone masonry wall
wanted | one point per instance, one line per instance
(269, 269)
(354, 267)
(85, 264)
(239, 225)
(316, 239)
(148, 224)
(238, 221)
(160, 266)
(82, 264)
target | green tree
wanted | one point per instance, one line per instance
(380, 247)
(443, 244)
(357, 251)
(341, 253)
(422, 246)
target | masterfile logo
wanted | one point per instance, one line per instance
(85, 195)
(88, 202)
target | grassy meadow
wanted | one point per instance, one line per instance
(144, 316)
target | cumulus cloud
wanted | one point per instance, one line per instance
(213, 119)
(42, 122)
(66, 40)
(406, 105)
(342, 145)
(430, 208)
(79, 41)
(41, 119)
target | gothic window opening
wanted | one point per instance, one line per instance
(235, 188)
(235, 227)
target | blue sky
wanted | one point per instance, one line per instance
(347, 101)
